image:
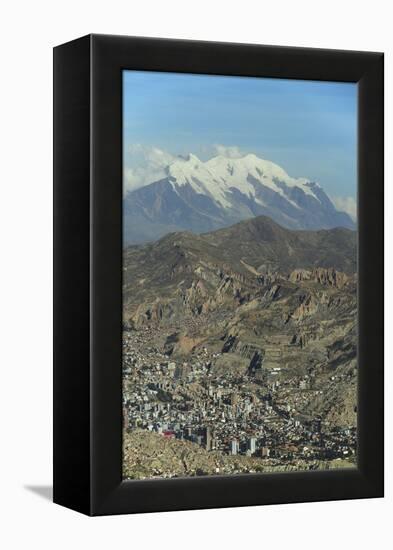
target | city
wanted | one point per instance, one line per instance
(256, 414)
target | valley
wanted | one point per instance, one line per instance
(239, 351)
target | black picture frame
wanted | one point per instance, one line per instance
(88, 274)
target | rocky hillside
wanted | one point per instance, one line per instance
(148, 455)
(242, 259)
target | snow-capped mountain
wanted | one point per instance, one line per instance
(203, 196)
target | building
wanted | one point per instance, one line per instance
(265, 452)
(125, 418)
(234, 447)
(252, 445)
(234, 399)
(208, 439)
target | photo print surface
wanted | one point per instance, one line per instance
(239, 275)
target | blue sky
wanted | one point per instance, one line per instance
(309, 128)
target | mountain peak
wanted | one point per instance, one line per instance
(205, 195)
(193, 158)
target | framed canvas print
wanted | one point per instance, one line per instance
(218, 275)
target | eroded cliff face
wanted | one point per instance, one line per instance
(323, 276)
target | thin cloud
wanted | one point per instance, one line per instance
(232, 151)
(346, 204)
(144, 165)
